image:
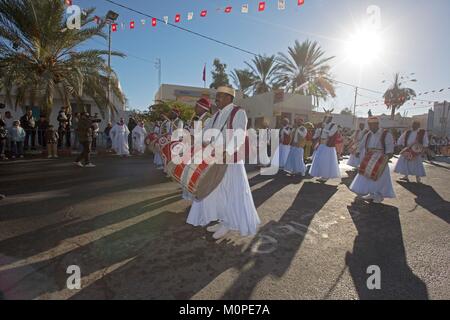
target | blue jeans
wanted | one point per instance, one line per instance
(17, 148)
(2, 147)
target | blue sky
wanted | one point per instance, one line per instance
(415, 39)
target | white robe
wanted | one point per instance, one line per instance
(325, 162)
(139, 134)
(355, 161)
(157, 159)
(232, 201)
(295, 163)
(383, 186)
(411, 167)
(119, 136)
(284, 149)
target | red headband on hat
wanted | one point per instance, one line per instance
(204, 104)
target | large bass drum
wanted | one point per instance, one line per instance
(373, 165)
(198, 179)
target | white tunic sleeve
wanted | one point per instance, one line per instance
(239, 122)
(401, 140)
(332, 131)
(389, 143)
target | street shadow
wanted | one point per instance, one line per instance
(380, 243)
(20, 246)
(429, 199)
(264, 258)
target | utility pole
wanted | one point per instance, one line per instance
(158, 66)
(109, 73)
(354, 107)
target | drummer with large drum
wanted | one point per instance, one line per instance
(410, 162)
(374, 179)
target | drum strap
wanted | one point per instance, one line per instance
(383, 139)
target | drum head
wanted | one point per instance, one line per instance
(210, 180)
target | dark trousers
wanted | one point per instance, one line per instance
(17, 148)
(2, 147)
(61, 134)
(85, 154)
(30, 134)
(94, 144)
(41, 138)
(68, 139)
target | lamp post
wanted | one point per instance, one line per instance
(111, 17)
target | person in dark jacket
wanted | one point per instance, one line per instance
(131, 125)
(42, 126)
(85, 138)
(28, 123)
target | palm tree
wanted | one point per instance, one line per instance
(396, 96)
(243, 79)
(306, 70)
(40, 59)
(265, 72)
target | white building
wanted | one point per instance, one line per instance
(439, 119)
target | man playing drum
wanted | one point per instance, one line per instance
(374, 180)
(355, 161)
(410, 162)
(202, 116)
(295, 163)
(325, 161)
(231, 202)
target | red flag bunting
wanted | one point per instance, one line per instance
(132, 25)
(228, 9)
(154, 22)
(114, 27)
(203, 13)
(262, 6)
(300, 2)
(177, 18)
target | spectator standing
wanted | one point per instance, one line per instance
(9, 120)
(28, 123)
(75, 120)
(68, 131)
(131, 125)
(108, 138)
(42, 126)
(85, 137)
(3, 137)
(51, 138)
(18, 135)
(95, 130)
(62, 120)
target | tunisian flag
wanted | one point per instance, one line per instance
(204, 73)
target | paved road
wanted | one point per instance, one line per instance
(123, 224)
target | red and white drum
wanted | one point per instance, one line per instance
(198, 179)
(373, 165)
(412, 152)
(151, 141)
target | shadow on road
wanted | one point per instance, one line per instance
(380, 242)
(429, 199)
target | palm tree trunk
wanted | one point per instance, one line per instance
(393, 109)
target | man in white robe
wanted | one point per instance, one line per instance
(157, 159)
(284, 148)
(415, 166)
(325, 163)
(366, 188)
(119, 135)
(139, 134)
(231, 202)
(295, 163)
(202, 116)
(355, 161)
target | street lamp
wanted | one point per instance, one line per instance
(111, 17)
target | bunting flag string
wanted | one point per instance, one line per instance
(261, 6)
